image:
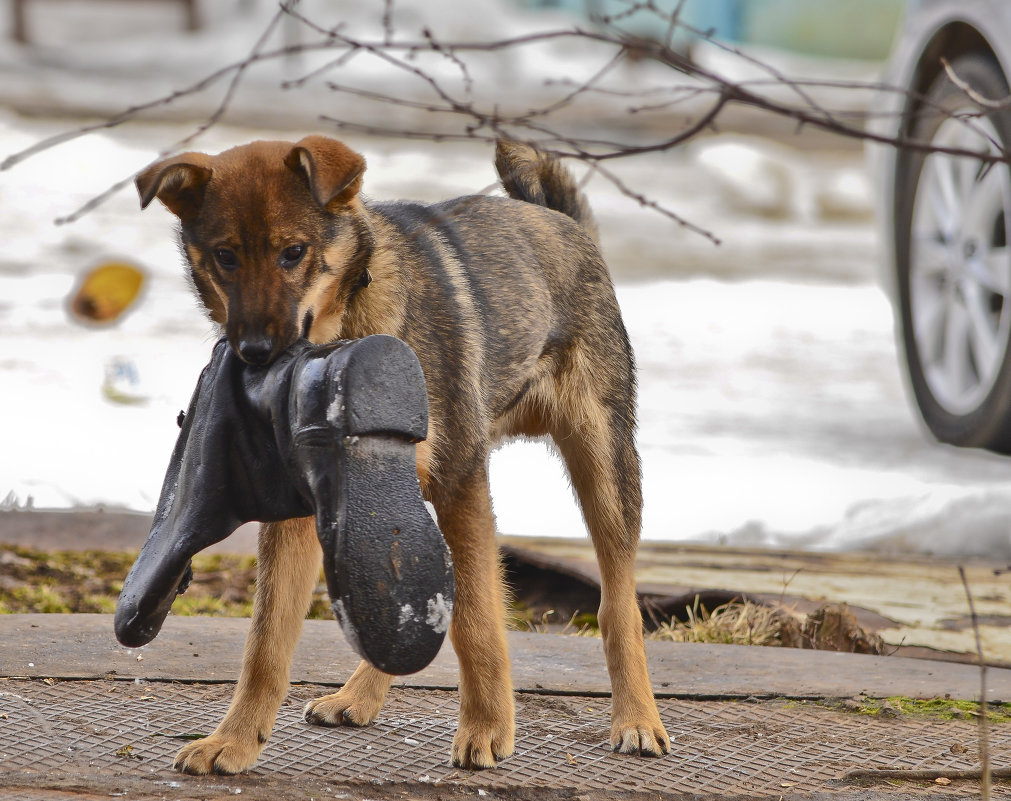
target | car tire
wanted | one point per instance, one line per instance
(952, 218)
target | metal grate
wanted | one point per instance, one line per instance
(120, 729)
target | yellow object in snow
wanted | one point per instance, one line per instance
(106, 292)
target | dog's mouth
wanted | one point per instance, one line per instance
(307, 322)
(260, 350)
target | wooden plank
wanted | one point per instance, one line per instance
(210, 649)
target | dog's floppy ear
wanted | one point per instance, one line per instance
(333, 169)
(178, 182)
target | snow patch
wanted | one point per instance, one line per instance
(754, 177)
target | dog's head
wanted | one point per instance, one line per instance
(273, 232)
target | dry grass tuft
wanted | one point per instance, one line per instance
(736, 623)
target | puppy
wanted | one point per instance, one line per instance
(511, 311)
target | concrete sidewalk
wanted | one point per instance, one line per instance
(83, 717)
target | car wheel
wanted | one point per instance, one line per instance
(952, 216)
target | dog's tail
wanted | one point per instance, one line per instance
(535, 177)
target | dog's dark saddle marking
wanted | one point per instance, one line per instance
(326, 431)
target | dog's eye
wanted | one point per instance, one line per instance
(292, 255)
(226, 259)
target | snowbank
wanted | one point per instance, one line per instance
(770, 401)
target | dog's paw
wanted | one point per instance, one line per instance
(479, 747)
(647, 738)
(342, 709)
(217, 754)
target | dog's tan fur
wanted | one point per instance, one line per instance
(511, 312)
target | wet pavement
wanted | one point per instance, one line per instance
(83, 717)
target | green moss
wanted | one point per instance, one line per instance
(320, 609)
(103, 604)
(520, 617)
(584, 620)
(90, 581)
(42, 598)
(935, 708)
(188, 605)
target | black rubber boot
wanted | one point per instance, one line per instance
(325, 430)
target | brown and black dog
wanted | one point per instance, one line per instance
(511, 311)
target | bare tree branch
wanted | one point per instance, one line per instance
(446, 108)
(211, 121)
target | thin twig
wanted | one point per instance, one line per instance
(984, 726)
(468, 81)
(340, 61)
(388, 20)
(205, 126)
(649, 203)
(926, 774)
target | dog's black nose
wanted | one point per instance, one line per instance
(256, 351)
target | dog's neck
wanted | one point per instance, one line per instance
(377, 303)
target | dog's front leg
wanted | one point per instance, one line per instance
(485, 730)
(289, 562)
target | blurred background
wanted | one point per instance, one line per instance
(773, 410)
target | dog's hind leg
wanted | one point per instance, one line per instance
(595, 434)
(357, 703)
(288, 569)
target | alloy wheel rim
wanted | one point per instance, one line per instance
(960, 268)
